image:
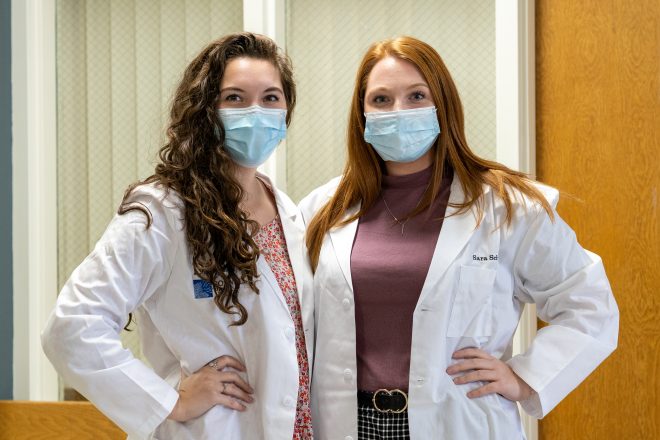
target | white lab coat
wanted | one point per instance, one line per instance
(149, 272)
(479, 279)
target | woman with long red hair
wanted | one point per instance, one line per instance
(424, 257)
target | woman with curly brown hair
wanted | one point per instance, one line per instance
(209, 257)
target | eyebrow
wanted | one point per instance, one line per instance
(412, 86)
(274, 89)
(232, 89)
(419, 85)
(238, 89)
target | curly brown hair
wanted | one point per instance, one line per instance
(194, 163)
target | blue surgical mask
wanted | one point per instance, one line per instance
(252, 133)
(402, 135)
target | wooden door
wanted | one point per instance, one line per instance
(598, 140)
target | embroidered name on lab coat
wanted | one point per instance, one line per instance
(491, 257)
(203, 289)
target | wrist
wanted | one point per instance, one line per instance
(177, 413)
(525, 390)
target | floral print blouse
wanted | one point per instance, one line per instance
(272, 246)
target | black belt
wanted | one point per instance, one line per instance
(385, 401)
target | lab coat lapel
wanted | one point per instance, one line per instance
(267, 274)
(455, 233)
(342, 241)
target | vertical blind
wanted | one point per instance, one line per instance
(118, 63)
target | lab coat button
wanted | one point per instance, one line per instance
(346, 303)
(288, 401)
(348, 375)
(420, 381)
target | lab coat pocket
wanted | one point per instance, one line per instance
(472, 311)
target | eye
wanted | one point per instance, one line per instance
(271, 98)
(233, 98)
(417, 96)
(379, 99)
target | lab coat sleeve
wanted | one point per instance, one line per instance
(572, 294)
(81, 337)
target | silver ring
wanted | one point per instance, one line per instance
(224, 387)
(213, 364)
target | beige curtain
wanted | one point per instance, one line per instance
(326, 40)
(117, 65)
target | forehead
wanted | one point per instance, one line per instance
(254, 71)
(392, 71)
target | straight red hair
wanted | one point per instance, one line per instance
(361, 180)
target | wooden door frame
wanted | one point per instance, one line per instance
(516, 123)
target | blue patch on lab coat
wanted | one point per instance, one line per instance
(203, 289)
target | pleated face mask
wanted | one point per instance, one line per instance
(252, 133)
(402, 135)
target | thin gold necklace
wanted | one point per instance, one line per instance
(399, 222)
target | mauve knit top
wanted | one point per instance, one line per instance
(388, 272)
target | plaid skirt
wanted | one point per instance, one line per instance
(375, 425)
